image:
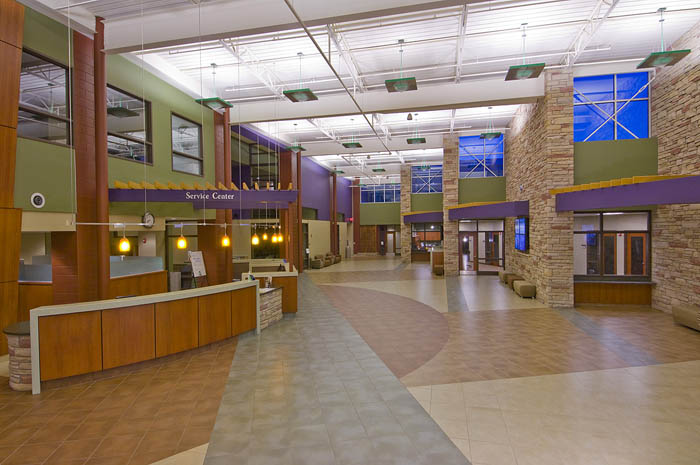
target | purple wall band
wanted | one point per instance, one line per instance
(668, 191)
(425, 217)
(316, 188)
(494, 210)
(217, 199)
(259, 138)
(344, 187)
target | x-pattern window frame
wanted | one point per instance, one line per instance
(425, 179)
(483, 156)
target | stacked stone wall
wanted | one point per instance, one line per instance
(405, 208)
(450, 198)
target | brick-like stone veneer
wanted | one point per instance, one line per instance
(675, 120)
(405, 208)
(20, 364)
(450, 198)
(270, 308)
(539, 155)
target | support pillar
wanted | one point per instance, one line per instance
(290, 218)
(355, 216)
(405, 208)
(450, 198)
(334, 213)
(11, 32)
(101, 161)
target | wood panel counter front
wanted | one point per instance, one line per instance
(74, 339)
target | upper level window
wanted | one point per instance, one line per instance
(480, 158)
(611, 107)
(380, 193)
(426, 179)
(187, 146)
(44, 113)
(128, 126)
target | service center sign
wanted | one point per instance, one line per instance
(209, 195)
(207, 198)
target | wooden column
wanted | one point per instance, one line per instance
(11, 32)
(355, 216)
(75, 255)
(101, 163)
(299, 217)
(334, 213)
(291, 224)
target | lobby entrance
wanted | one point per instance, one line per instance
(481, 246)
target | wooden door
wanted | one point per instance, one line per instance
(636, 256)
(610, 253)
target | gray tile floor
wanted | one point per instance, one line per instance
(310, 391)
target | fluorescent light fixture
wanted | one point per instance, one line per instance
(415, 140)
(401, 84)
(300, 95)
(352, 145)
(489, 135)
(667, 58)
(215, 103)
(121, 112)
(519, 72)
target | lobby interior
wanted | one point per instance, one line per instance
(392, 232)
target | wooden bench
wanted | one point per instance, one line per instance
(524, 288)
(687, 315)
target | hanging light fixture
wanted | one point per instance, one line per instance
(255, 240)
(181, 242)
(353, 144)
(216, 103)
(225, 240)
(490, 132)
(296, 147)
(524, 71)
(664, 57)
(402, 84)
(301, 94)
(124, 244)
(416, 139)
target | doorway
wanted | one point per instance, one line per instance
(637, 253)
(468, 252)
(305, 235)
(391, 242)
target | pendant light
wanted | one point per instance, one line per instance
(490, 132)
(181, 241)
(353, 144)
(225, 240)
(296, 146)
(402, 84)
(124, 244)
(416, 139)
(255, 240)
(215, 103)
(664, 57)
(301, 94)
(524, 71)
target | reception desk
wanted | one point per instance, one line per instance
(75, 339)
(286, 280)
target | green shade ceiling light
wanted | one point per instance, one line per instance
(121, 112)
(490, 135)
(300, 95)
(296, 148)
(519, 72)
(339, 172)
(352, 145)
(416, 140)
(402, 84)
(667, 58)
(524, 71)
(215, 103)
(378, 170)
(664, 57)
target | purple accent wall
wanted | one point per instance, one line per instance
(316, 188)
(427, 217)
(495, 210)
(254, 135)
(344, 187)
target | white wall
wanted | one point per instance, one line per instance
(147, 244)
(319, 237)
(33, 244)
(580, 257)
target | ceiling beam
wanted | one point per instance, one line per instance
(600, 13)
(346, 55)
(460, 42)
(261, 72)
(327, 131)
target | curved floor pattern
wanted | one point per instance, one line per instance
(403, 332)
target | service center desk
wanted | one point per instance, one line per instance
(75, 339)
(286, 280)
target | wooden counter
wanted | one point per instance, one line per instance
(74, 339)
(287, 280)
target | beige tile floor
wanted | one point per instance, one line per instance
(361, 263)
(430, 292)
(488, 293)
(641, 415)
(193, 456)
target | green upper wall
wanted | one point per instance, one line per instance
(614, 159)
(426, 202)
(380, 213)
(45, 36)
(45, 168)
(491, 189)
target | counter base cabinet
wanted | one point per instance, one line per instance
(128, 336)
(214, 317)
(612, 293)
(289, 292)
(70, 344)
(243, 310)
(176, 326)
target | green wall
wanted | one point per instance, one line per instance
(491, 189)
(613, 159)
(45, 36)
(45, 168)
(426, 202)
(380, 213)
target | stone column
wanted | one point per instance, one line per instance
(405, 208)
(450, 198)
(355, 216)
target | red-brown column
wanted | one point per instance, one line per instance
(299, 217)
(291, 229)
(101, 187)
(228, 253)
(355, 216)
(334, 213)
(75, 256)
(11, 31)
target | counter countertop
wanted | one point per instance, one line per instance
(267, 290)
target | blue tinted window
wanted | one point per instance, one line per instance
(380, 193)
(479, 158)
(614, 116)
(426, 179)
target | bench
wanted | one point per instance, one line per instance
(687, 315)
(511, 278)
(524, 288)
(502, 275)
(439, 270)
